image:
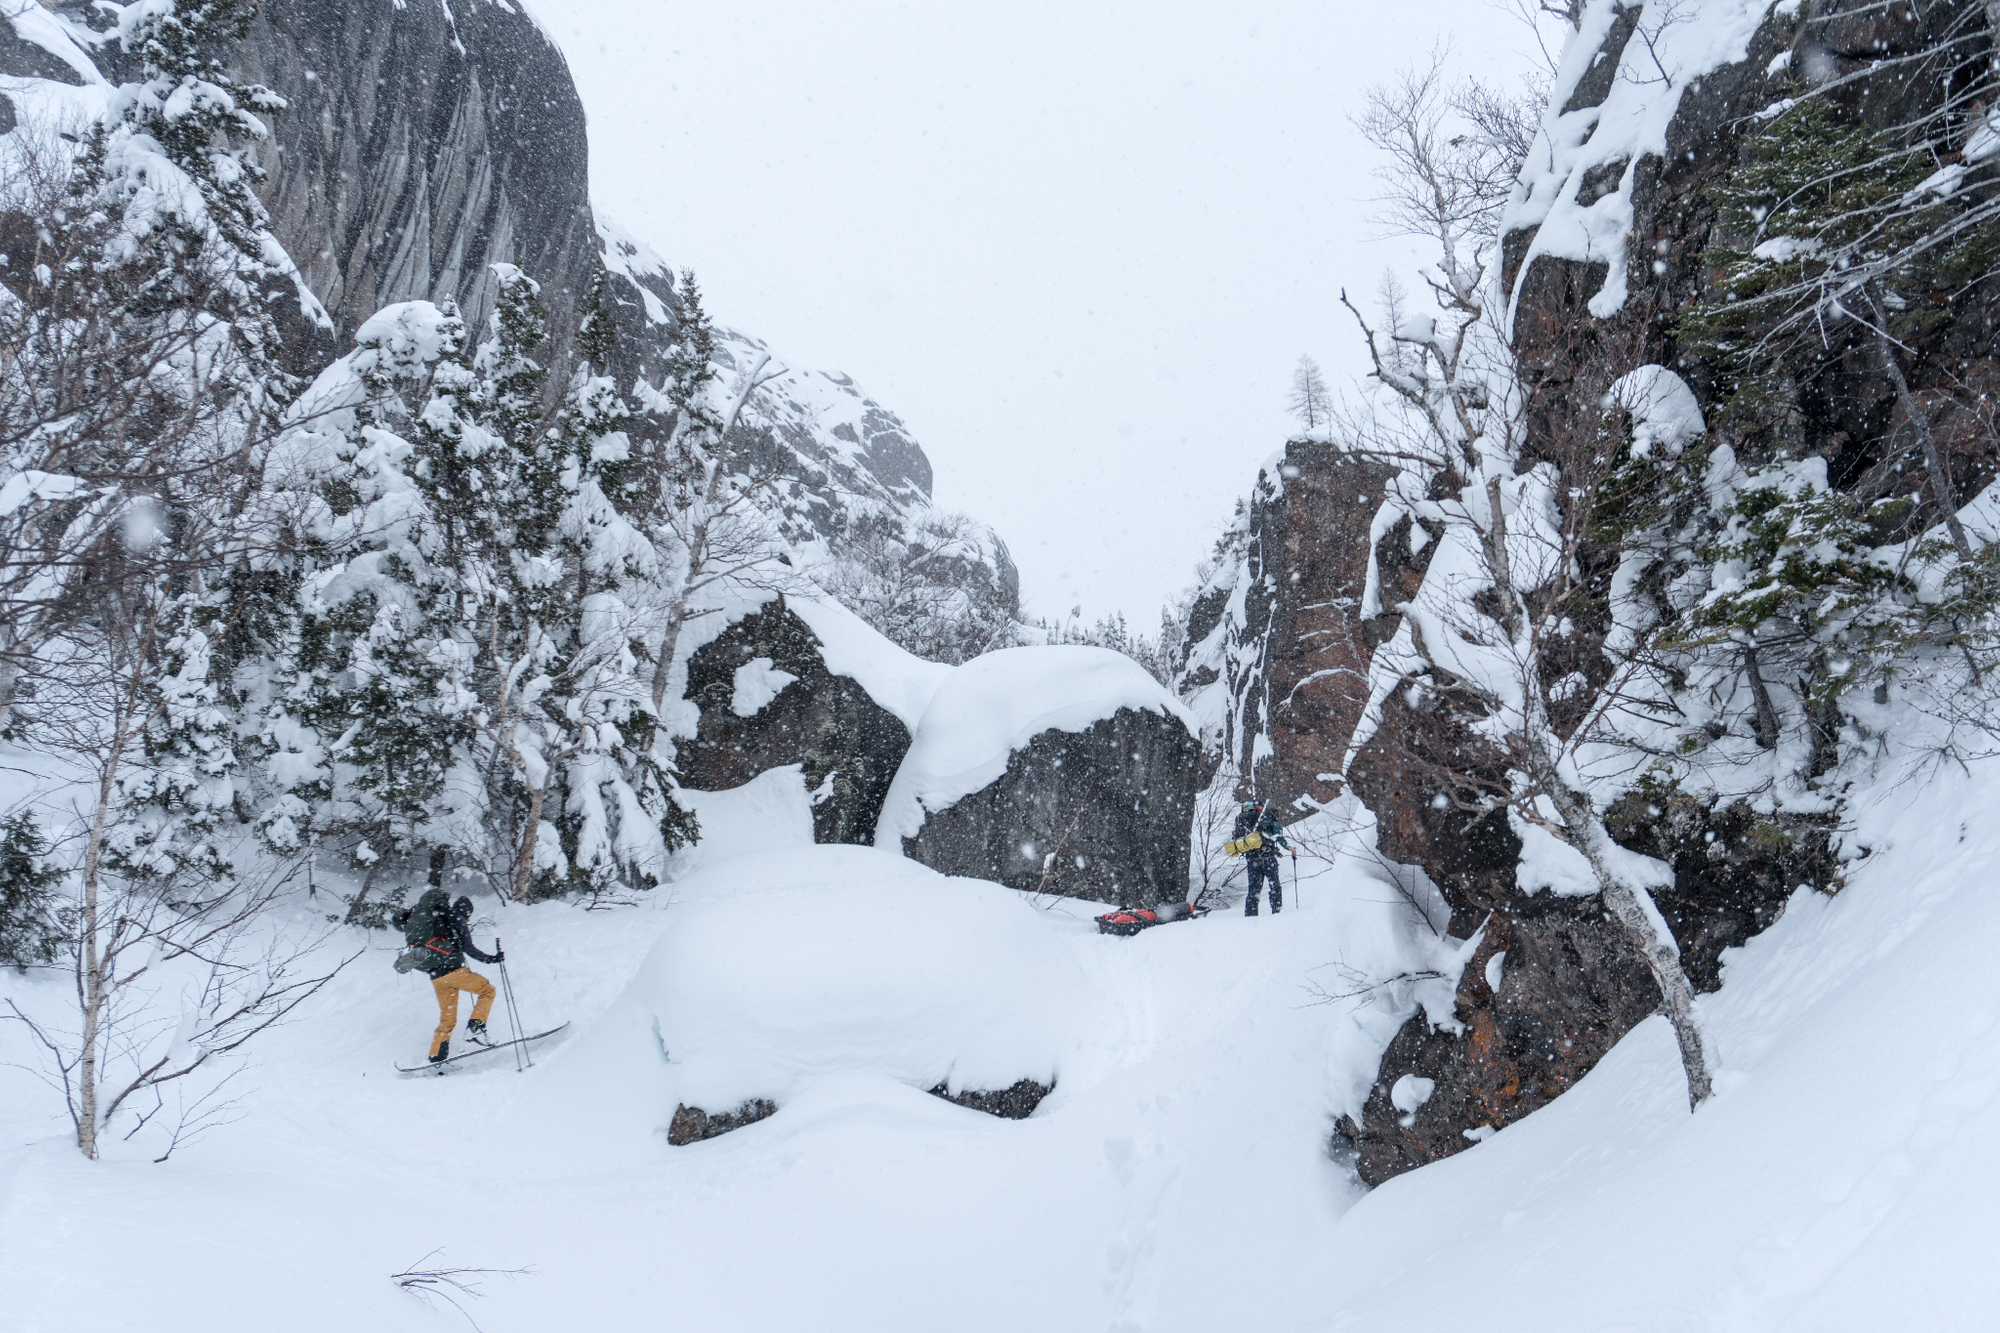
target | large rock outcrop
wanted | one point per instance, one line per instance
(1282, 635)
(1888, 67)
(1064, 770)
(1310, 579)
(425, 142)
(767, 699)
(1569, 984)
(1569, 987)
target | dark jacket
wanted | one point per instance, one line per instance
(447, 950)
(1261, 821)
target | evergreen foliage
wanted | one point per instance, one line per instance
(32, 922)
(1832, 239)
(479, 613)
(1824, 222)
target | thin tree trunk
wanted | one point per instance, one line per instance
(1920, 422)
(1496, 554)
(524, 861)
(664, 668)
(353, 916)
(698, 536)
(10, 675)
(1765, 725)
(91, 982)
(1630, 904)
(1634, 909)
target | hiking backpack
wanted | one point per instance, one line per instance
(428, 920)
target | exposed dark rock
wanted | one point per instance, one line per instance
(1570, 987)
(848, 745)
(1294, 664)
(1109, 808)
(1570, 984)
(23, 59)
(1841, 407)
(1595, 85)
(1011, 1103)
(1734, 869)
(691, 1124)
(1315, 537)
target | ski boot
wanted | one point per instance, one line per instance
(443, 1052)
(475, 1032)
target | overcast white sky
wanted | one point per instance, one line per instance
(1077, 246)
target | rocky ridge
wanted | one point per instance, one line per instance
(1309, 578)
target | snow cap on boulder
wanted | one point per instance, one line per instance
(994, 705)
(1062, 770)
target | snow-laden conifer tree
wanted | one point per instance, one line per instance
(470, 654)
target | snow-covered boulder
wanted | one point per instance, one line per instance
(1067, 768)
(806, 683)
(794, 966)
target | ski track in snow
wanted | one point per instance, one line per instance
(1175, 1182)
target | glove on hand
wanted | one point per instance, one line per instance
(499, 954)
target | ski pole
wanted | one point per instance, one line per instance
(513, 1010)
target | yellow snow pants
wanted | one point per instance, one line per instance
(447, 987)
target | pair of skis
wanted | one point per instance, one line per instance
(445, 1065)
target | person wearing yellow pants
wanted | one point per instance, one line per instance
(440, 940)
(447, 987)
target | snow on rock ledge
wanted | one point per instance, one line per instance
(1613, 101)
(1069, 761)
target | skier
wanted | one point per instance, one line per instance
(1256, 820)
(446, 939)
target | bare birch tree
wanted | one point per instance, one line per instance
(126, 702)
(1480, 630)
(709, 516)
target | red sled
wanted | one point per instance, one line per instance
(1132, 920)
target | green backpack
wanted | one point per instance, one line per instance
(428, 920)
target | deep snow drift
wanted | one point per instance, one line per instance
(1177, 1178)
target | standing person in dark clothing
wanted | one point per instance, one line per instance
(1256, 824)
(446, 932)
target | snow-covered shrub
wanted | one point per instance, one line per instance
(926, 583)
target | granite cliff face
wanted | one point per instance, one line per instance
(424, 143)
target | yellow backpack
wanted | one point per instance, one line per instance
(1249, 844)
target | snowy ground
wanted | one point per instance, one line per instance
(1176, 1180)
(1178, 1169)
